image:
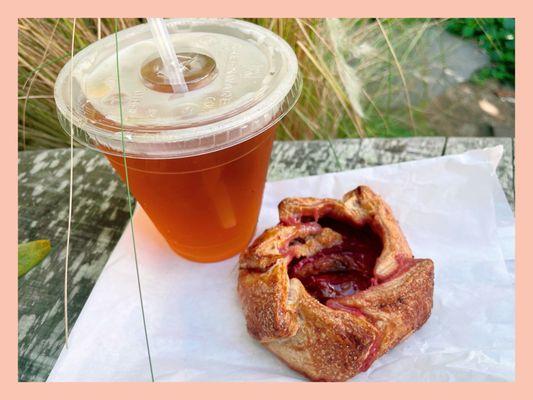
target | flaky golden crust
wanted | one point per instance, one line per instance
(336, 340)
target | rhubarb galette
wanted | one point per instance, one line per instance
(334, 285)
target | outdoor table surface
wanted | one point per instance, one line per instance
(100, 214)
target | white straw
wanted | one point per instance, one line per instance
(171, 63)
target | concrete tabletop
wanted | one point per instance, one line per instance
(100, 214)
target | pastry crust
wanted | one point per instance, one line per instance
(332, 339)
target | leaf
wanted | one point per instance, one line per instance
(508, 24)
(468, 31)
(31, 254)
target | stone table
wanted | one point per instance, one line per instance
(100, 214)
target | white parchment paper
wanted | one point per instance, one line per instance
(452, 209)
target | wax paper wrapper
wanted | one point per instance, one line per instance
(452, 209)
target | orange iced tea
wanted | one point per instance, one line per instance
(205, 206)
(197, 158)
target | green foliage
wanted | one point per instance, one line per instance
(352, 84)
(31, 254)
(497, 37)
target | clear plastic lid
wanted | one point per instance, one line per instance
(241, 80)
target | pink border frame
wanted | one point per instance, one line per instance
(272, 8)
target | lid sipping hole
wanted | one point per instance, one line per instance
(198, 71)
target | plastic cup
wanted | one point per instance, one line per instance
(197, 161)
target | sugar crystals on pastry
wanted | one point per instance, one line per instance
(334, 285)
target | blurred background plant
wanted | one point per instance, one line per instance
(496, 37)
(362, 77)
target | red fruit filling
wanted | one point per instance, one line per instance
(341, 270)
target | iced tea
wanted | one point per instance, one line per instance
(205, 206)
(197, 159)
